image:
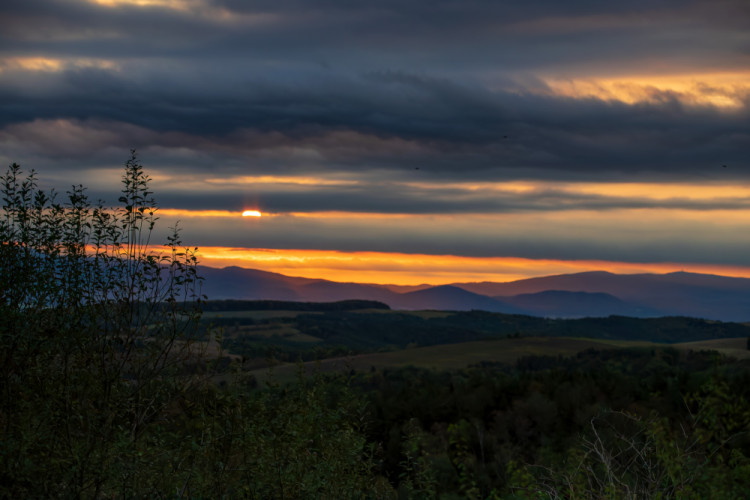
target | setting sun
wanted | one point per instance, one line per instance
(251, 213)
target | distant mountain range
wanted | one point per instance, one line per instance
(589, 294)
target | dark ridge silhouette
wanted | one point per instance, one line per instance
(280, 305)
(453, 298)
(639, 295)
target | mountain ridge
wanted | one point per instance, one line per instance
(586, 294)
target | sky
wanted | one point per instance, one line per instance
(402, 142)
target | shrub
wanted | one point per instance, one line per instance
(96, 327)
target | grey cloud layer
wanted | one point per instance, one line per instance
(495, 32)
(636, 240)
(397, 199)
(391, 94)
(362, 85)
(394, 120)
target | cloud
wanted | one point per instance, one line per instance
(626, 236)
(419, 111)
(397, 121)
(387, 34)
(393, 198)
(471, 90)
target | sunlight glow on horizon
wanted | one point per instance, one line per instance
(641, 192)
(416, 269)
(179, 212)
(251, 213)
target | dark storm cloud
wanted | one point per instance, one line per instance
(456, 130)
(357, 82)
(405, 199)
(445, 33)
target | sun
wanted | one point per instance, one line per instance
(251, 213)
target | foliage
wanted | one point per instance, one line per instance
(105, 374)
(603, 424)
(96, 332)
(300, 441)
(623, 456)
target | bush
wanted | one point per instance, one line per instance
(104, 386)
(96, 330)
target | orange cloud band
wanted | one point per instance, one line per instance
(412, 269)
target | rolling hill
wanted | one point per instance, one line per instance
(565, 304)
(447, 297)
(589, 294)
(675, 294)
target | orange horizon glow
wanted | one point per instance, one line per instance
(646, 191)
(179, 212)
(387, 268)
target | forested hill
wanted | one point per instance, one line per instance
(301, 328)
(280, 305)
(578, 295)
(400, 328)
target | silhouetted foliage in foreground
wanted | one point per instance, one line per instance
(105, 386)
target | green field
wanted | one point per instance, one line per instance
(454, 356)
(458, 356)
(733, 348)
(286, 332)
(254, 315)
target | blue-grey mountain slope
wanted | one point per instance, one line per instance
(564, 304)
(592, 294)
(447, 297)
(677, 294)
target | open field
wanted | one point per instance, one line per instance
(254, 315)
(270, 330)
(455, 356)
(735, 348)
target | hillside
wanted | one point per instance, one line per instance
(565, 304)
(680, 294)
(312, 331)
(590, 294)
